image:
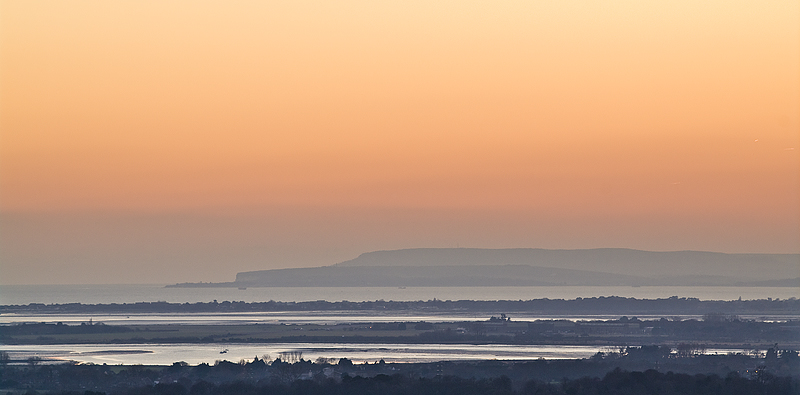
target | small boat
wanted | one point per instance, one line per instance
(225, 351)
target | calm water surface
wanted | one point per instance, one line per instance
(166, 354)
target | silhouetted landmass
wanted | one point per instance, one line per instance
(634, 370)
(615, 260)
(43, 329)
(789, 282)
(596, 305)
(432, 276)
(714, 330)
(533, 267)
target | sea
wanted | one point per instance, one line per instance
(166, 354)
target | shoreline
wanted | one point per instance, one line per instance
(613, 305)
(717, 333)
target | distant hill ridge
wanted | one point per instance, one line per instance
(609, 260)
(533, 267)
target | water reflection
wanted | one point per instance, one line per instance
(166, 354)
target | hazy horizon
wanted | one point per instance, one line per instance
(185, 142)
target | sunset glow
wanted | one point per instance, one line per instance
(301, 133)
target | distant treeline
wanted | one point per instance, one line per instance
(713, 329)
(595, 305)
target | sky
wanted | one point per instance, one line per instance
(163, 142)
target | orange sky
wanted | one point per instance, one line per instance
(318, 130)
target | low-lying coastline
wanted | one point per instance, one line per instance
(761, 354)
(713, 331)
(594, 305)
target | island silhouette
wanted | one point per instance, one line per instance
(454, 267)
